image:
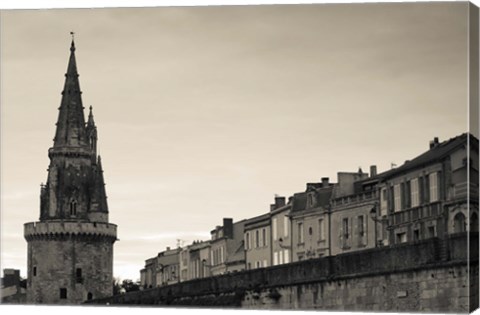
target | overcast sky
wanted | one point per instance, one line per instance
(208, 112)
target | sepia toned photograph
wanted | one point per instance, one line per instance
(254, 157)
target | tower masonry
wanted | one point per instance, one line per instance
(70, 250)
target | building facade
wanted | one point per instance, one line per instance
(352, 227)
(309, 217)
(281, 229)
(434, 194)
(168, 267)
(257, 242)
(226, 247)
(70, 250)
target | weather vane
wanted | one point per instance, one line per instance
(73, 35)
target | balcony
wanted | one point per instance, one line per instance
(414, 214)
(366, 196)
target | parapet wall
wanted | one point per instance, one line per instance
(64, 228)
(368, 280)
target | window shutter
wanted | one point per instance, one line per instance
(365, 234)
(356, 232)
(340, 236)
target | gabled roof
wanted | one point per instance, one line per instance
(436, 154)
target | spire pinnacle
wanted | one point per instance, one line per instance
(72, 46)
(90, 122)
(71, 121)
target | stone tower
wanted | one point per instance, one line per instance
(70, 250)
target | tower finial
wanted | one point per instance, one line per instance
(72, 47)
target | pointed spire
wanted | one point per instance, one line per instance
(90, 122)
(71, 122)
(99, 196)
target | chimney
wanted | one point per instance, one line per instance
(325, 182)
(279, 202)
(168, 247)
(434, 143)
(228, 228)
(373, 170)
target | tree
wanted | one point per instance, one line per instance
(130, 286)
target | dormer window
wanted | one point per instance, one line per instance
(73, 207)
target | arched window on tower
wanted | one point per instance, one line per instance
(459, 223)
(73, 207)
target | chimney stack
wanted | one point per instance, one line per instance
(434, 143)
(373, 170)
(228, 227)
(279, 202)
(325, 182)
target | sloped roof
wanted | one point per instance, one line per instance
(257, 221)
(437, 153)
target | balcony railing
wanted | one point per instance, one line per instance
(366, 196)
(417, 213)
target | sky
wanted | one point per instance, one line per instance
(208, 112)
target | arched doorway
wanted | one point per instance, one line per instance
(459, 223)
(89, 296)
(474, 222)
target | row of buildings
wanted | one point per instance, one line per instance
(433, 195)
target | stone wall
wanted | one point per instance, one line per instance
(55, 263)
(407, 277)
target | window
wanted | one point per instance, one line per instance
(257, 264)
(397, 197)
(414, 192)
(401, 237)
(247, 236)
(427, 189)
(459, 224)
(78, 275)
(274, 226)
(63, 293)
(73, 207)
(286, 257)
(221, 255)
(249, 266)
(321, 230)
(264, 237)
(265, 264)
(360, 229)
(431, 231)
(300, 233)
(345, 228)
(383, 202)
(286, 222)
(275, 258)
(280, 257)
(310, 231)
(433, 178)
(257, 239)
(408, 194)
(416, 235)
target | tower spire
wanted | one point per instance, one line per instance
(71, 122)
